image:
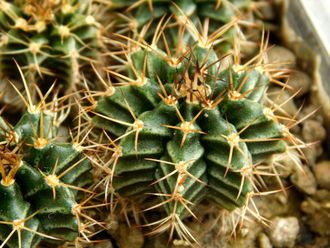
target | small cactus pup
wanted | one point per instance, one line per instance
(43, 182)
(53, 41)
(186, 129)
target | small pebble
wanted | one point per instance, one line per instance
(264, 241)
(279, 96)
(304, 180)
(311, 108)
(104, 244)
(244, 232)
(9, 96)
(281, 57)
(322, 242)
(309, 206)
(130, 237)
(267, 11)
(313, 131)
(312, 153)
(323, 195)
(287, 163)
(283, 231)
(300, 81)
(180, 243)
(282, 199)
(322, 174)
(320, 222)
(63, 134)
(250, 48)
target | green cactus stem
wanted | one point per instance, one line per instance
(188, 131)
(52, 41)
(243, 18)
(42, 181)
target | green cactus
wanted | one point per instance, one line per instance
(51, 40)
(183, 126)
(144, 11)
(42, 181)
(242, 17)
(188, 130)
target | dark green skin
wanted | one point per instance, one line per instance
(209, 152)
(30, 193)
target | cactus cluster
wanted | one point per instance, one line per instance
(42, 180)
(184, 120)
(51, 40)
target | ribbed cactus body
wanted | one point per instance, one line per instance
(35, 174)
(189, 132)
(50, 40)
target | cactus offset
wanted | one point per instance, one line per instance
(51, 40)
(41, 180)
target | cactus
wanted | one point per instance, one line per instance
(247, 16)
(42, 180)
(183, 123)
(51, 40)
(143, 11)
(187, 129)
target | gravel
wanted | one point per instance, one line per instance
(304, 180)
(284, 231)
(322, 174)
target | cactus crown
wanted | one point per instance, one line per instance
(189, 128)
(51, 40)
(40, 180)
